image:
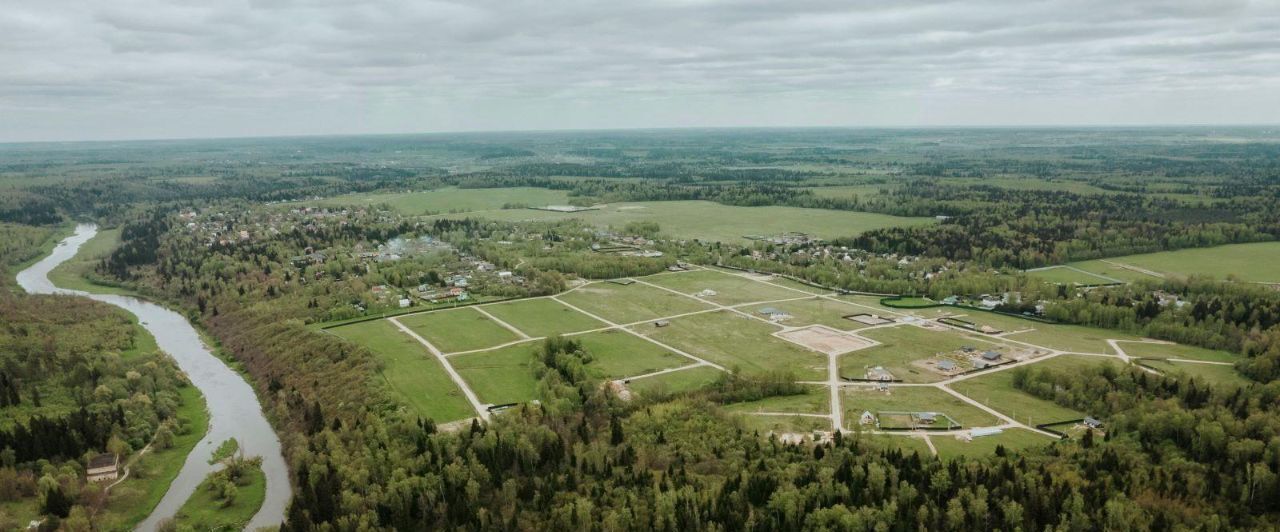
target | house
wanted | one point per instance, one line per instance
(405, 302)
(103, 467)
(990, 356)
(867, 418)
(946, 365)
(927, 418)
(707, 293)
(878, 373)
(661, 323)
(1092, 422)
(950, 300)
(505, 275)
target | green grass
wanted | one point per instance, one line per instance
(781, 424)
(1186, 352)
(922, 399)
(676, 381)
(1110, 270)
(150, 475)
(732, 340)
(1064, 275)
(816, 312)
(708, 221)
(452, 200)
(1063, 337)
(225, 450)
(463, 329)
(143, 342)
(630, 303)
(906, 444)
(1215, 375)
(73, 273)
(900, 346)
(794, 285)
(204, 511)
(617, 354)
(1013, 439)
(730, 289)
(500, 376)
(1073, 363)
(872, 304)
(1247, 262)
(997, 392)
(414, 376)
(815, 400)
(543, 317)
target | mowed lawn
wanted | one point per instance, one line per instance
(997, 392)
(1185, 352)
(714, 222)
(1248, 262)
(452, 200)
(412, 373)
(1012, 439)
(462, 329)
(616, 354)
(900, 346)
(730, 289)
(732, 340)
(859, 399)
(815, 400)
(543, 317)
(816, 311)
(630, 303)
(1214, 374)
(676, 381)
(1068, 275)
(500, 376)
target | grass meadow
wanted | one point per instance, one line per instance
(463, 329)
(732, 340)
(630, 303)
(414, 376)
(543, 317)
(858, 399)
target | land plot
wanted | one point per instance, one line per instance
(871, 304)
(1053, 336)
(500, 376)
(1186, 352)
(676, 381)
(1012, 439)
(1214, 374)
(1247, 262)
(824, 339)
(462, 329)
(414, 376)
(543, 317)
(732, 340)
(1071, 276)
(906, 444)
(816, 311)
(996, 390)
(901, 347)
(815, 400)
(1075, 363)
(722, 288)
(453, 200)
(630, 303)
(617, 354)
(785, 424)
(1111, 270)
(859, 399)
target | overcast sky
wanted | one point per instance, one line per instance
(114, 69)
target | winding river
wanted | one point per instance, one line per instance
(234, 411)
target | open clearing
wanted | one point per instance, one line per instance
(815, 400)
(617, 354)
(1247, 262)
(630, 303)
(1011, 439)
(500, 376)
(728, 289)
(900, 347)
(1071, 275)
(1073, 338)
(996, 391)
(709, 221)
(1186, 352)
(733, 340)
(815, 311)
(915, 399)
(1214, 374)
(452, 200)
(463, 329)
(676, 382)
(543, 317)
(413, 375)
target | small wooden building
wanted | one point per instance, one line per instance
(103, 467)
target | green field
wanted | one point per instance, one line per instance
(914, 399)
(781, 424)
(730, 289)
(452, 200)
(1214, 374)
(500, 376)
(617, 354)
(204, 510)
(1054, 336)
(630, 303)
(732, 340)
(463, 329)
(901, 346)
(906, 444)
(414, 376)
(1246, 262)
(1071, 275)
(708, 221)
(815, 400)
(1185, 352)
(676, 381)
(815, 311)
(1011, 439)
(543, 317)
(997, 392)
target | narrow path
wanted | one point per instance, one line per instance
(643, 337)
(504, 324)
(929, 441)
(479, 407)
(661, 372)
(1132, 268)
(833, 382)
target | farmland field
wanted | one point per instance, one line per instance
(710, 221)
(733, 340)
(412, 374)
(617, 354)
(915, 399)
(1247, 262)
(630, 303)
(730, 289)
(1071, 275)
(452, 200)
(463, 329)
(543, 317)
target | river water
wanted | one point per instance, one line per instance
(234, 411)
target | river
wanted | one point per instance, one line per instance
(234, 411)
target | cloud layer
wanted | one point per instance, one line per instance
(145, 68)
